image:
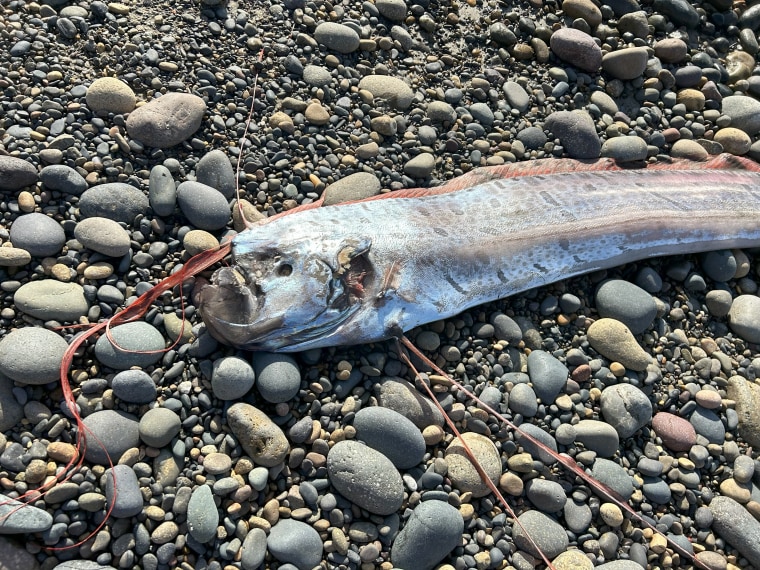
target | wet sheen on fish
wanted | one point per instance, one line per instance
(366, 271)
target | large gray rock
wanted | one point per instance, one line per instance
(434, 529)
(32, 355)
(51, 300)
(166, 121)
(38, 234)
(115, 200)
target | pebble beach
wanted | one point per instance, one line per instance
(122, 125)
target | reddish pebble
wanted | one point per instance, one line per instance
(676, 433)
(581, 373)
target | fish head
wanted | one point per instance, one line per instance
(285, 293)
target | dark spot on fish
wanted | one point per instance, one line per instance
(577, 259)
(548, 198)
(440, 231)
(501, 276)
(564, 243)
(540, 267)
(451, 281)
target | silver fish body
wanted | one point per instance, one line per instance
(366, 271)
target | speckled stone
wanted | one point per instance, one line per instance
(434, 529)
(260, 438)
(462, 473)
(391, 434)
(202, 514)
(47, 348)
(676, 432)
(613, 340)
(130, 338)
(295, 542)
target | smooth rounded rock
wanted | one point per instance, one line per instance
(14, 257)
(205, 207)
(134, 386)
(744, 317)
(48, 299)
(19, 518)
(63, 178)
(158, 426)
(260, 438)
(547, 496)
(746, 394)
(356, 186)
(215, 169)
(110, 95)
(115, 200)
(103, 235)
(231, 378)
(32, 355)
(522, 400)
(421, 166)
(547, 374)
(278, 378)
(162, 191)
(137, 344)
(625, 64)
(434, 529)
(38, 234)
(744, 112)
(613, 340)
(365, 477)
(627, 303)
(576, 132)
(614, 476)
(337, 37)
(547, 534)
(625, 408)
(676, 432)
(709, 425)
(461, 471)
(202, 514)
(577, 48)
(112, 430)
(295, 542)
(737, 527)
(391, 89)
(401, 396)
(123, 492)
(16, 173)
(167, 120)
(391, 434)
(625, 149)
(597, 436)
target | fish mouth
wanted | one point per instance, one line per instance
(233, 305)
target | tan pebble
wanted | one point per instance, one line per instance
(671, 50)
(739, 492)
(564, 402)
(196, 241)
(61, 272)
(617, 369)
(154, 512)
(130, 457)
(511, 483)
(521, 462)
(584, 9)
(118, 8)
(467, 511)
(26, 201)
(462, 473)
(316, 114)
(433, 434)
(340, 541)
(572, 560)
(281, 120)
(754, 509)
(611, 514)
(482, 559)
(713, 560)
(250, 214)
(176, 326)
(614, 341)
(271, 511)
(686, 463)
(99, 270)
(692, 99)
(259, 522)
(13, 256)
(709, 399)
(217, 463)
(658, 544)
(734, 141)
(36, 471)
(687, 148)
(742, 263)
(63, 452)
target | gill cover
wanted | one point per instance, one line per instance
(285, 294)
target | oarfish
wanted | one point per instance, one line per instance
(369, 270)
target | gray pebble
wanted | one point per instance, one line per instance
(547, 374)
(134, 386)
(115, 200)
(625, 149)
(38, 234)
(124, 495)
(649, 280)
(17, 518)
(356, 186)
(441, 112)
(597, 436)
(718, 302)
(202, 514)
(391, 434)
(115, 431)
(158, 427)
(392, 90)
(365, 477)
(522, 400)
(578, 48)
(532, 137)
(16, 173)
(719, 265)
(278, 377)
(614, 476)
(506, 328)
(744, 317)
(708, 424)
(626, 64)
(680, 11)
(516, 96)
(656, 490)
(547, 533)
(215, 169)
(204, 207)
(744, 469)
(434, 529)
(135, 336)
(401, 396)
(63, 178)
(547, 496)
(744, 112)
(337, 37)
(421, 166)
(625, 408)
(11, 411)
(577, 516)
(254, 549)
(103, 235)
(536, 452)
(295, 542)
(575, 130)
(162, 192)
(167, 120)
(231, 378)
(394, 10)
(626, 302)
(48, 299)
(737, 527)
(17, 348)
(317, 75)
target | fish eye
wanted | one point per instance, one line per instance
(284, 270)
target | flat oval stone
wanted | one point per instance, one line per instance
(259, 436)
(116, 201)
(51, 300)
(547, 496)
(337, 37)
(737, 527)
(461, 471)
(202, 514)
(215, 169)
(547, 533)
(391, 434)
(110, 95)
(32, 355)
(744, 317)
(162, 192)
(547, 374)
(123, 492)
(627, 303)
(158, 426)
(231, 378)
(38, 234)
(63, 178)
(113, 433)
(204, 207)
(676, 432)
(295, 542)
(14, 257)
(597, 436)
(134, 386)
(401, 396)
(167, 120)
(278, 377)
(131, 339)
(392, 90)
(365, 477)
(355, 186)
(103, 235)
(19, 518)
(434, 529)
(16, 173)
